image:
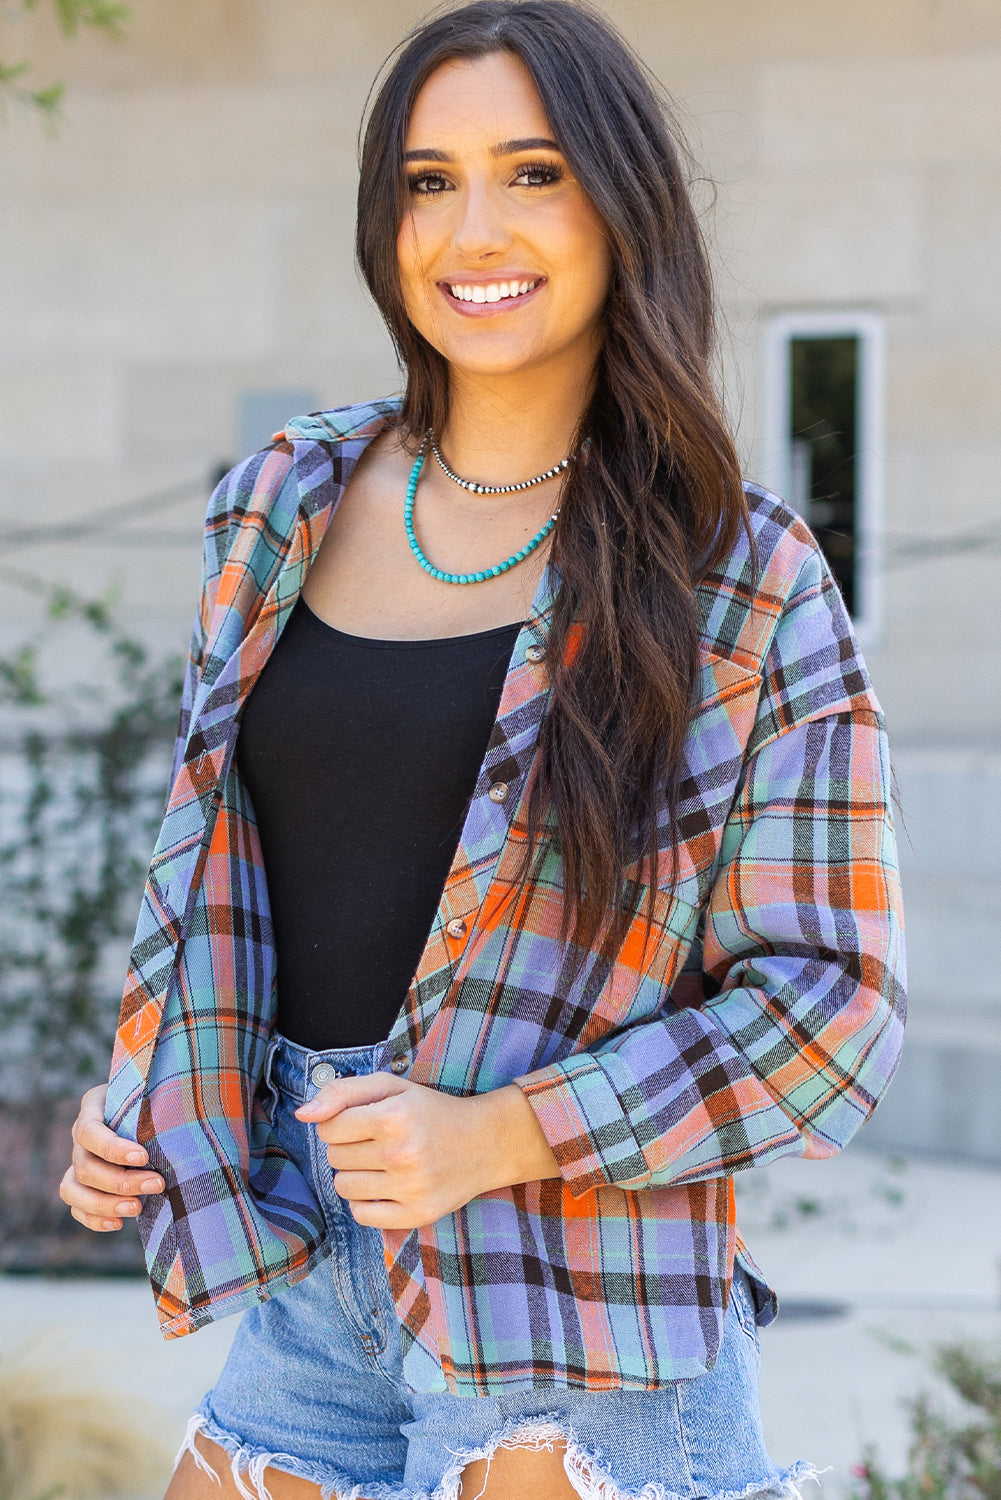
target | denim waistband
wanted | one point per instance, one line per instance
(298, 1072)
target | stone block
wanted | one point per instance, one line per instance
(945, 1099)
(837, 235)
(144, 278)
(940, 391)
(940, 106)
(951, 799)
(58, 414)
(180, 413)
(963, 249)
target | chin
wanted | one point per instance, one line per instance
(486, 361)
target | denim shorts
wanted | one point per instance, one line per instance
(313, 1383)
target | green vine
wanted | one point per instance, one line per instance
(107, 16)
(81, 796)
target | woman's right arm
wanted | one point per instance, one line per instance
(108, 1176)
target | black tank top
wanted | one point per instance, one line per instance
(360, 757)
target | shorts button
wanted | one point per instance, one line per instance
(456, 928)
(498, 792)
(399, 1064)
(323, 1073)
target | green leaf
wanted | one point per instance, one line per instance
(103, 15)
(49, 100)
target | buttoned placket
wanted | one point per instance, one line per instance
(456, 917)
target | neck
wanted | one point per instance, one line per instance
(504, 429)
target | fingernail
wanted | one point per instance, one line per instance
(136, 1158)
(125, 1207)
(111, 1223)
(151, 1185)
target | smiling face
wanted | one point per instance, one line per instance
(504, 262)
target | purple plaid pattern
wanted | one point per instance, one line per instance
(617, 1274)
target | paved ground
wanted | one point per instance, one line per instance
(904, 1253)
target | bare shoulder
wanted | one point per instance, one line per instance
(387, 458)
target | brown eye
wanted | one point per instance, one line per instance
(538, 174)
(427, 184)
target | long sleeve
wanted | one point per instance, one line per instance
(803, 935)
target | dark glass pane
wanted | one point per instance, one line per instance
(824, 387)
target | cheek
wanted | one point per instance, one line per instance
(408, 260)
(587, 254)
(416, 248)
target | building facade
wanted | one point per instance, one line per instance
(176, 279)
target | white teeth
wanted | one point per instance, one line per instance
(495, 292)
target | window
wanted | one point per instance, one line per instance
(824, 440)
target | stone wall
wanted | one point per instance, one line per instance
(185, 241)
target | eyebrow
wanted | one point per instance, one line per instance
(503, 148)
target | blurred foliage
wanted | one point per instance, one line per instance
(62, 1439)
(84, 766)
(952, 1456)
(107, 16)
(876, 1204)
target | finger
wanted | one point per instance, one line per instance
(357, 1156)
(90, 1132)
(362, 1186)
(107, 1178)
(100, 1226)
(346, 1093)
(386, 1214)
(97, 1205)
(353, 1126)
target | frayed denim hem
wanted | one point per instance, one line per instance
(248, 1465)
(584, 1470)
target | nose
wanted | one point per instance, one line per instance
(481, 229)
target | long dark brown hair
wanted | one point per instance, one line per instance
(657, 501)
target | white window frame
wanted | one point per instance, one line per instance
(870, 427)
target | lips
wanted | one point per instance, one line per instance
(479, 298)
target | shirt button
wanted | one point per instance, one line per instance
(456, 928)
(399, 1064)
(498, 792)
(323, 1073)
(535, 654)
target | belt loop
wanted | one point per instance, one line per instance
(274, 1043)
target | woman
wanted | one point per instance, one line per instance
(570, 787)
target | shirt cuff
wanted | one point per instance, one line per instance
(585, 1124)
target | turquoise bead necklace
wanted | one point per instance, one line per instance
(498, 568)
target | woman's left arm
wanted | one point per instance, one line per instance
(804, 934)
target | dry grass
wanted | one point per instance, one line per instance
(61, 1440)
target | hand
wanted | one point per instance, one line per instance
(404, 1155)
(110, 1175)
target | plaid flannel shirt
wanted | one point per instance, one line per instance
(616, 1274)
